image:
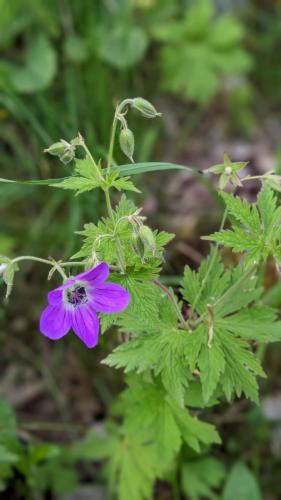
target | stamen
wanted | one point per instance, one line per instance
(76, 295)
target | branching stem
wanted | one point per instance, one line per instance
(59, 266)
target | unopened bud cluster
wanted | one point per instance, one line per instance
(64, 150)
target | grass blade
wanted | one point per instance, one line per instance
(124, 170)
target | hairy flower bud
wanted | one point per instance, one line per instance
(138, 245)
(148, 238)
(63, 149)
(127, 142)
(145, 107)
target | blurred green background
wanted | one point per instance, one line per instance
(212, 67)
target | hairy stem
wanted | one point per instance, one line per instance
(118, 111)
(52, 263)
(119, 250)
(173, 301)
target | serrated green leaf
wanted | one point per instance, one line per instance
(194, 431)
(149, 415)
(256, 227)
(257, 323)
(200, 477)
(76, 183)
(211, 364)
(241, 368)
(124, 184)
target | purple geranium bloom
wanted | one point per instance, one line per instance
(75, 303)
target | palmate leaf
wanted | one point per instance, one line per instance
(256, 227)
(101, 239)
(227, 360)
(211, 363)
(200, 477)
(149, 414)
(131, 466)
(158, 419)
(170, 353)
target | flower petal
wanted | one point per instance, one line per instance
(55, 296)
(85, 324)
(96, 275)
(55, 322)
(109, 298)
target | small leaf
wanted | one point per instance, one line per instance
(242, 484)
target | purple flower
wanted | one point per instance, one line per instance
(75, 303)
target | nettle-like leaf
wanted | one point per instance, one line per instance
(158, 419)
(131, 465)
(225, 358)
(101, 239)
(169, 352)
(199, 478)
(85, 177)
(256, 228)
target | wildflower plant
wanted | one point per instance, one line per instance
(182, 351)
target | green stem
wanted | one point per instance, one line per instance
(173, 301)
(119, 249)
(88, 153)
(118, 111)
(209, 269)
(111, 144)
(108, 205)
(268, 175)
(52, 263)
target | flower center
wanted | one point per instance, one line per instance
(76, 295)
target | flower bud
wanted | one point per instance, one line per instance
(127, 142)
(137, 245)
(228, 170)
(148, 238)
(56, 149)
(63, 149)
(145, 107)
